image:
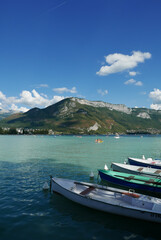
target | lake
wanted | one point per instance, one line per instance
(27, 212)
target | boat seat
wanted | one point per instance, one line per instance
(140, 169)
(150, 181)
(87, 190)
(157, 171)
(129, 178)
(131, 194)
(126, 178)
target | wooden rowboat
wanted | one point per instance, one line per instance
(149, 162)
(111, 200)
(147, 184)
(137, 170)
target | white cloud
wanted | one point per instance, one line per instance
(27, 100)
(18, 109)
(133, 82)
(2, 96)
(155, 95)
(65, 90)
(132, 74)
(56, 99)
(102, 92)
(155, 106)
(4, 101)
(43, 86)
(130, 81)
(34, 99)
(44, 95)
(118, 62)
(139, 83)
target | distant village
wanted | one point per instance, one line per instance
(38, 131)
(25, 131)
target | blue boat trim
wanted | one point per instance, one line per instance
(142, 164)
(126, 183)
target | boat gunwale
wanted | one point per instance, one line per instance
(131, 207)
(153, 162)
(146, 189)
(143, 179)
(132, 169)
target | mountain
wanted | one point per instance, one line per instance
(80, 116)
(5, 113)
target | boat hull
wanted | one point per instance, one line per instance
(136, 170)
(118, 168)
(128, 184)
(105, 207)
(143, 163)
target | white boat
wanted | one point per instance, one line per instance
(149, 162)
(107, 199)
(117, 136)
(148, 159)
(137, 170)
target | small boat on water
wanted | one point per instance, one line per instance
(147, 184)
(111, 200)
(117, 136)
(98, 140)
(149, 162)
(137, 170)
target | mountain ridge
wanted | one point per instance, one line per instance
(80, 116)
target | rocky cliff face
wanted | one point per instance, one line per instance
(117, 107)
(144, 115)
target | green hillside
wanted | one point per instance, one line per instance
(78, 116)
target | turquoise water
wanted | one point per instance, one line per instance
(26, 212)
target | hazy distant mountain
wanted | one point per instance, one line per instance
(5, 113)
(79, 116)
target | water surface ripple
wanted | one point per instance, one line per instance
(26, 162)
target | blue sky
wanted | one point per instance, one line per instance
(107, 50)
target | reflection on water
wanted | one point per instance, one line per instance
(118, 226)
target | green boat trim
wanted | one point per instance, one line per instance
(133, 178)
